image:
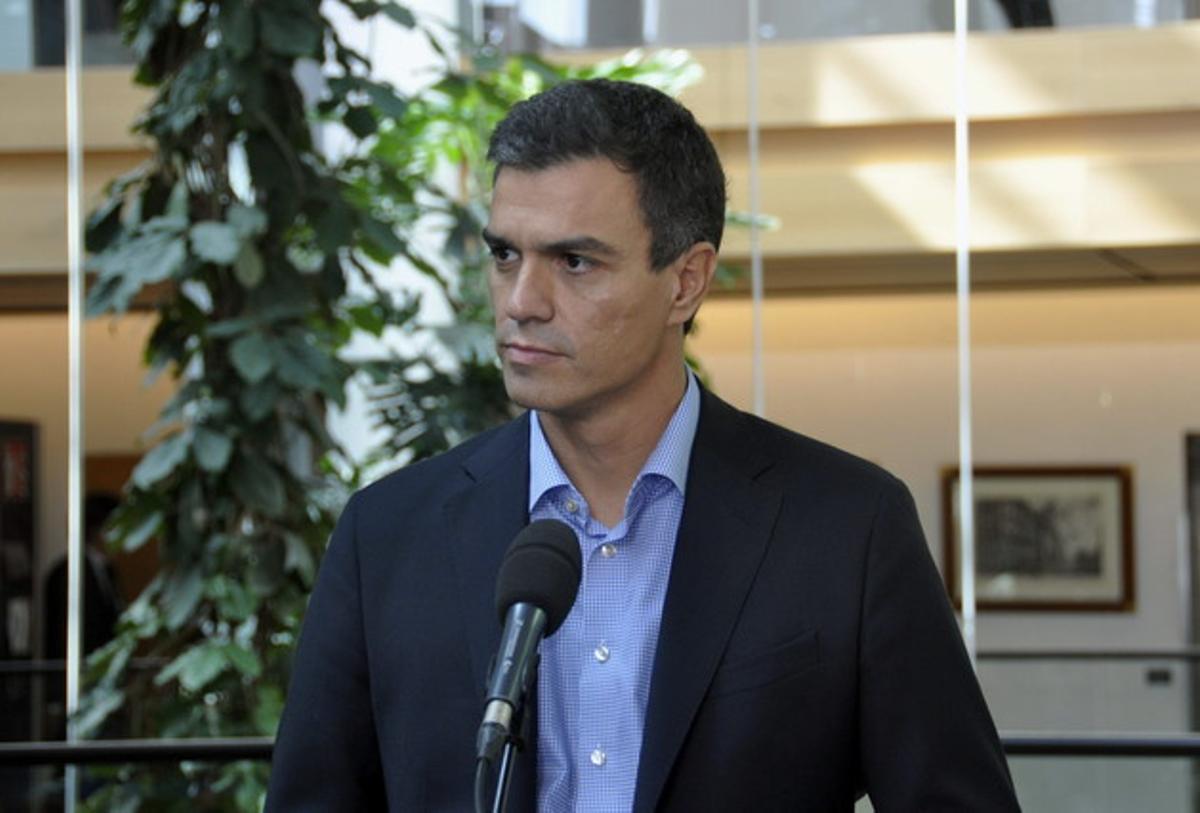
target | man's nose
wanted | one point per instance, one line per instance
(531, 297)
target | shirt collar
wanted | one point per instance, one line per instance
(669, 459)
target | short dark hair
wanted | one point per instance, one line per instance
(680, 183)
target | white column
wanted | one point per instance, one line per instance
(962, 239)
(75, 282)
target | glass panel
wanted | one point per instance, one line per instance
(33, 35)
(33, 331)
(539, 25)
(1100, 785)
(1048, 695)
(1086, 346)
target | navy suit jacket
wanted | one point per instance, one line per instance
(807, 652)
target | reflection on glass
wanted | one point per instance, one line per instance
(538, 25)
(33, 34)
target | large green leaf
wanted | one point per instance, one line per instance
(151, 256)
(161, 461)
(142, 532)
(386, 98)
(258, 484)
(383, 243)
(299, 558)
(300, 363)
(237, 28)
(369, 317)
(250, 221)
(234, 602)
(244, 660)
(248, 267)
(334, 225)
(212, 449)
(365, 9)
(104, 224)
(196, 667)
(288, 33)
(106, 664)
(180, 595)
(143, 615)
(98, 705)
(259, 400)
(360, 121)
(268, 710)
(252, 356)
(216, 242)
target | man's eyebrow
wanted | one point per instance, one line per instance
(495, 240)
(569, 245)
(580, 244)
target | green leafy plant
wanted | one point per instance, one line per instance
(245, 239)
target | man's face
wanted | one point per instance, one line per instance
(582, 322)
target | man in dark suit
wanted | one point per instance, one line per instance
(759, 624)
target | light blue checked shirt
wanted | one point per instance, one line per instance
(594, 679)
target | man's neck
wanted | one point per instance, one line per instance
(603, 451)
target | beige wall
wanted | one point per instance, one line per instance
(1088, 376)
(1084, 142)
(118, 406)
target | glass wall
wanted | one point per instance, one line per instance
(1086, 347)
(1085, 341)
(33, 35)
(528, 25)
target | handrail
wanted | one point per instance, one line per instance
(229, 749)
(1190, 653)
(207, 749)
(56, 666)
(1107, 744)
(31, 667)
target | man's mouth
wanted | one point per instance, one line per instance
(528, 354)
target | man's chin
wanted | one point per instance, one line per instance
(526, 393)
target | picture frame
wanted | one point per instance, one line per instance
(1047, 538)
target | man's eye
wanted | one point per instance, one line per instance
(575, 263)
(503, 255)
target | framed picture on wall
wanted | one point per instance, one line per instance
(1050, 538)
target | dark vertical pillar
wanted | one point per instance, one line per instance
(1028, 13)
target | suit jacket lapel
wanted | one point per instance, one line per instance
(483, 518)
(727, 521)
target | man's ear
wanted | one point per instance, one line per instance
(693, 270)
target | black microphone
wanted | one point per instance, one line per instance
(535, 590)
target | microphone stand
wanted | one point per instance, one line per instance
(505, 777)
(512, 745)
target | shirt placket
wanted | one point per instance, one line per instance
(608, 736)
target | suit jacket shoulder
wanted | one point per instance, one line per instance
(808, 650)
(467, 462)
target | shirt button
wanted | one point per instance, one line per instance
(608, 550)
(571, 506)
(601, 653)
(598, 758)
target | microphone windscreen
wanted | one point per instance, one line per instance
(542, 567)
